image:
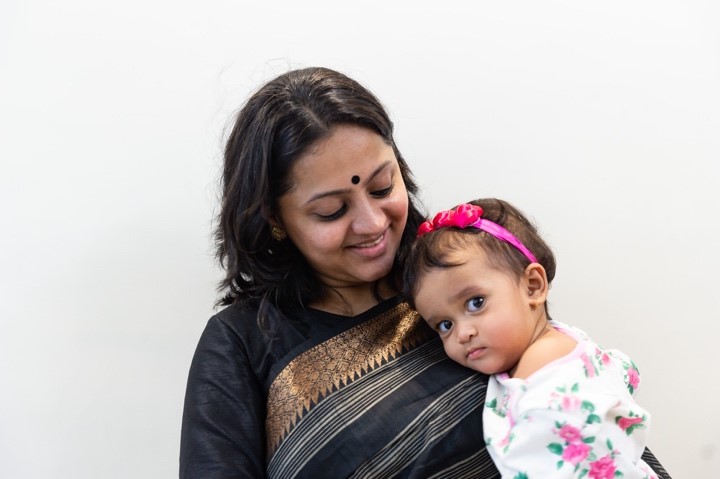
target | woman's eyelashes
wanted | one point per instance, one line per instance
(333, 216)
(383, 192)
(474, 304)
(343, 208)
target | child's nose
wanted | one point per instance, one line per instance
(465, 332)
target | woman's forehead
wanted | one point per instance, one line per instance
(350, 156)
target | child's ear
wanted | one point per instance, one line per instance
(536, 283)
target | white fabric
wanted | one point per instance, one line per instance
(575, 417)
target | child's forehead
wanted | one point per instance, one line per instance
(453, 258)
(458, 248)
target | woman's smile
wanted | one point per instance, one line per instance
(373, 247)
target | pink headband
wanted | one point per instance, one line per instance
(470, 215)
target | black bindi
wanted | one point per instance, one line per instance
(355, 180)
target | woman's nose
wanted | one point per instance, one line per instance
(370, 218)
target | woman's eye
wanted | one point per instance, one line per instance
(444, 326)
(475, 304)
(382, 193)
(332, 216)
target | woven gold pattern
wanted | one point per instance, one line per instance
(335, 363)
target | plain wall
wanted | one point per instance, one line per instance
(599, 119)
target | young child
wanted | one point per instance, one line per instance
(557, 405)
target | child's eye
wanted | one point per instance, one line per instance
(475, 304)
(444, 326)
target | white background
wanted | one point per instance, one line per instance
(599, 119)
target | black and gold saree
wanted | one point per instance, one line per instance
(326, 396)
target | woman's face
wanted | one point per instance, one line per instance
(347, 208)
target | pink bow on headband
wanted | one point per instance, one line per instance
(461, 217)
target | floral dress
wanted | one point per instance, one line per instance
(575, 417)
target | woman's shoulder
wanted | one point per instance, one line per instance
(236, 316)
(228, 328)
(247, 320)
(245, 329)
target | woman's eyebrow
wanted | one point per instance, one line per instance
(326, 194)
(379, 170)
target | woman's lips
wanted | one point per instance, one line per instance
(372, 248)
(370, 244)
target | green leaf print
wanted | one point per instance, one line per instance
(555, 448)
(520, 475)
(592, 418)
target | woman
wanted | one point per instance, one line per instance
(316, 367)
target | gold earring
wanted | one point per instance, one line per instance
(278, 233)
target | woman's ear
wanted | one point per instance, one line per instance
(271, 218)
(536, 283)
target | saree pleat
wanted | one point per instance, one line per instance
(382, 401)
(478, 465)
(430, 426)
(342, 409)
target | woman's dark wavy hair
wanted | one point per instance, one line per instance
(273, 129)
(431, 250)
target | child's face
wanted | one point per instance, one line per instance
(483, 315)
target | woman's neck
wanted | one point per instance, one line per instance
(353, 300)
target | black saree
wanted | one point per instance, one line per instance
(326, 396)
(376, 398)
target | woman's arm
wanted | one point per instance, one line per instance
(223, 430)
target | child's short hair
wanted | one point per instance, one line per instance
(431, 250)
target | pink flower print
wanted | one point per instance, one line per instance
(605, 358)
(504, 443)
(589, 366)
(628, 424)
(576, 453)
(633, 378)
(570, 403)
(570, 433)
(603, 468)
